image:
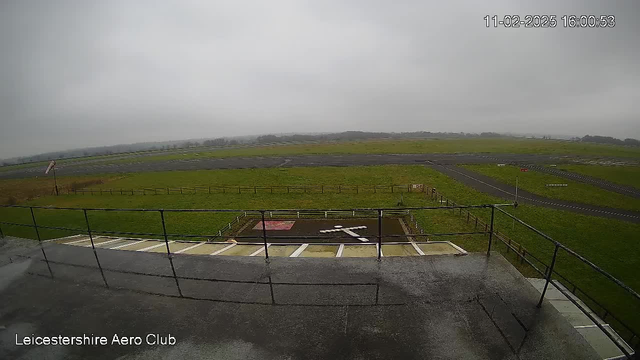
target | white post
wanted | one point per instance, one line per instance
(513, 224)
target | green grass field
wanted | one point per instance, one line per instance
(623, 175)
(609, 243)
(498, 145)
(490, 145)
(535, 182)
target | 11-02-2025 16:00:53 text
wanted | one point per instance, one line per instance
(551, 21)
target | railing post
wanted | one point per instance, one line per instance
(493, 210)
(549, 274)
(166, 242)
(264, 237)
(93, 246)
(35, 226)
(1, 233)
(379, 234)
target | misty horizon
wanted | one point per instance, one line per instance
(91, 74)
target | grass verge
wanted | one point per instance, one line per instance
(623, 175)
(535, 182)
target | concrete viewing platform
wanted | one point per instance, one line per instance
(239, 307)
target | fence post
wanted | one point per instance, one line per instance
(35, 226)
(467, 216)
(549, 274)
(379, 234)
(209, 189)
(93, 246)
(357, 189)
(166, 242)
(264, 237)
(392, 188)
(255, 191)
(322, 188)
(1, 233)
(374, 189)
(339, 189)
(493, 210)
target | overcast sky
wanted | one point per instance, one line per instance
(91, 73)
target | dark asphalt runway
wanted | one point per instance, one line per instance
(98, 167)
(479, 182)
(603, 184)
(493, 187)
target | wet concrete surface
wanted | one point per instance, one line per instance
(88, 168)
(428, 307)
(496, 188)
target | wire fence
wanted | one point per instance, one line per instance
(246, 189)
(547, 270)
(544, 269)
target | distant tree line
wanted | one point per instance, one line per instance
(362, 135)
(271, 139)
(610, 140)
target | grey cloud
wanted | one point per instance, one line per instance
(79, 73)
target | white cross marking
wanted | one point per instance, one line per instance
(348, 231)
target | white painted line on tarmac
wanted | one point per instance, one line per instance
(299, 250)
(223, 249)
(259, 250)
(125, 245)
(64, 238)
(76, 241)
(462, 251)
(417, 248)
(106, 242)
(340, 250)
(189, 248)
(589, 326)
(154, 246)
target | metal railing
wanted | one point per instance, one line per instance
(378, 213)
(547, 270)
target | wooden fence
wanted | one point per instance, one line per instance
(243, 189)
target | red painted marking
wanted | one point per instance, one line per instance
(274, 225)
(524, 170)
